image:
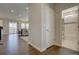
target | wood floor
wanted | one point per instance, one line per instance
(13, 45)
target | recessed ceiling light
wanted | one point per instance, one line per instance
(27, 8)
(12, 11)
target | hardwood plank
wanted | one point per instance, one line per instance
(13, 45)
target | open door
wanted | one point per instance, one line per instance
(70, 33)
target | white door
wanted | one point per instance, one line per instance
(48, 33)
(71, 30)
(48, 26)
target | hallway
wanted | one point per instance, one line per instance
(13, 45)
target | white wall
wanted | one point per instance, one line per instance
(38, 15)
(35, 25)
(5, 27)
(48, 25)
(1, 22)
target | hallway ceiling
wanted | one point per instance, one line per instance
(14, 11)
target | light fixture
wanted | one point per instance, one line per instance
(12, 11)
(26, 8)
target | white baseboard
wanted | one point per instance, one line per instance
(57, 44)
(71, 49)
(41, 50)
(65, 47)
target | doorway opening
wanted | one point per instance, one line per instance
(24, 31)
(12, 28)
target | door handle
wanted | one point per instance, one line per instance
(78, 26)
(47, 30)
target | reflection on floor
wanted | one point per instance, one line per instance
(13, 45)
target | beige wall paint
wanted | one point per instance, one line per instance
(57, 24)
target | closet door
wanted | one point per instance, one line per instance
(71, 30)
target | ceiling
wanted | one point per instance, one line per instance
(14, 11)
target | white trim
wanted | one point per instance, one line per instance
(58, 44)
(41, 50)
(66, 47)
(70, 48)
